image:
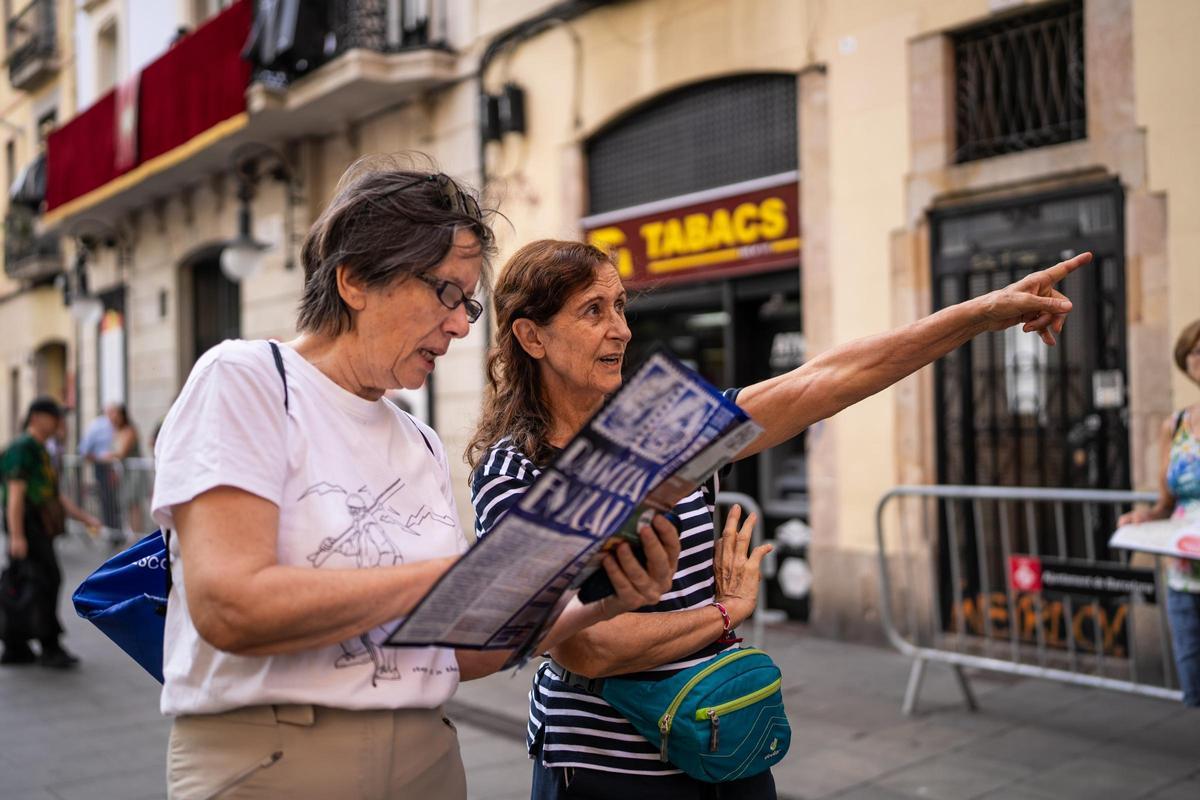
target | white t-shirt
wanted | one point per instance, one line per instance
(357, 487)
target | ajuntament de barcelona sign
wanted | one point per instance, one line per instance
(739, 229)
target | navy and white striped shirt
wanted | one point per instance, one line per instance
(578, 729)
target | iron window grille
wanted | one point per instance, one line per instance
(1019, 83)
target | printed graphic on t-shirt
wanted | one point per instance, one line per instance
(368, 541)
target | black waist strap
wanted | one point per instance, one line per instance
(589, 685)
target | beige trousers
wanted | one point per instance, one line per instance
(302, 751)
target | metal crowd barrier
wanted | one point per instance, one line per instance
(749, 505)
(118, 494)
(967, 538)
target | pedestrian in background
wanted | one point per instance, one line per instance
(35, 513)
(132, 481)
(94, 447)
(1179, 497)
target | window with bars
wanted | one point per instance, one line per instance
(1019, 82)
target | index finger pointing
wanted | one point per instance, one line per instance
(1064, 268)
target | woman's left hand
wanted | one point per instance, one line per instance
(637, 586)
(1033, 300)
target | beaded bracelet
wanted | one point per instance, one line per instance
(724, 617)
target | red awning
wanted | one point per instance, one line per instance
(198, 83)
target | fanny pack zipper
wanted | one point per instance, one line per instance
(713, 713)
(668, 717)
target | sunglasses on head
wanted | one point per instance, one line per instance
(455, 198)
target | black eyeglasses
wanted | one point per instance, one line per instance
(452, 296)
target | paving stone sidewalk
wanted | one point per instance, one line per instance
(95, 733)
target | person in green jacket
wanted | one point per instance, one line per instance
(35, 513)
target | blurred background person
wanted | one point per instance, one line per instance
(35, 513)
(130, 478)
(1179, 497)
(94, 448)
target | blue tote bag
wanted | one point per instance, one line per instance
(127, 597)
(127, 600)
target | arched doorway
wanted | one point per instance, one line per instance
(50, 371)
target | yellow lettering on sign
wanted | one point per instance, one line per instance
(612, 240)
(652, 235)
(720, 232)
(674, 242)
(707, 238)
(745, 217)
(773, 216)
(696, 228)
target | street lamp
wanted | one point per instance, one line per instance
(84, 307)
(242, 257)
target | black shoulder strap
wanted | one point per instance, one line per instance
(1179, 415)
(425, 438)
(282, 375)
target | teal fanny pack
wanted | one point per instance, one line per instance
(717, 721)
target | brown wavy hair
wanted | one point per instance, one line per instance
(1184, 344)
(535, 284)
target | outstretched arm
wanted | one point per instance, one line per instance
(787, 404)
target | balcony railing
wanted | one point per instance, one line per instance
(29, 255)
(31, 40)
(322, 34)
(383, 25)
(184, 94)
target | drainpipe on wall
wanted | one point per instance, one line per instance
(509, 38)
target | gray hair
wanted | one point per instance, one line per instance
(383, 224)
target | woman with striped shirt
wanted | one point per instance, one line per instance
(560, 341)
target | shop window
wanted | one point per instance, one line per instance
(703, 136)
(1019, 82)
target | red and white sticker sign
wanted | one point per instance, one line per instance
(1025, 573)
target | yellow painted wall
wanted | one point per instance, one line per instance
(30, 319)
(1166, 65)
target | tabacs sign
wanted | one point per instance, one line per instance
(743, 228)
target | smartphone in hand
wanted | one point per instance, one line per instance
(598, 585)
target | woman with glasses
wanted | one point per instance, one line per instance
(305, 515)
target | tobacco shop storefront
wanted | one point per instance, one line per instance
(697, 194)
